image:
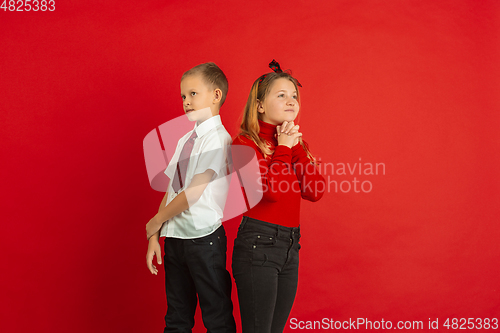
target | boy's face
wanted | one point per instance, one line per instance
(197, 96)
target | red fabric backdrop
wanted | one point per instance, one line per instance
(410, 84)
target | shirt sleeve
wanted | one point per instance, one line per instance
(271, 170)
(214, 154)
(312, 183)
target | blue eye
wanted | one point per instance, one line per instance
(281, 95)
(183, 97)
(295, 96)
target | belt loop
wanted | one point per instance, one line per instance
(282, 234)
(277, 233)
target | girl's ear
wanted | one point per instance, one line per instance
(260, 107)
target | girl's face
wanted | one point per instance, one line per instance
(280, 103)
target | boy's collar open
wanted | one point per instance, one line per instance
(207, 125)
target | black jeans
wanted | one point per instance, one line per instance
(198, 266)
(265, 268)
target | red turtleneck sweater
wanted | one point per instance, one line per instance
(287, 175)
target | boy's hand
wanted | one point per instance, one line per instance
(152, 227)
(153, 249)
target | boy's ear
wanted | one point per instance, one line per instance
(217, 95)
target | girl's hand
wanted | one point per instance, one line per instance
(153, 249)
(288, 140)
(296, 141)
(288, 128)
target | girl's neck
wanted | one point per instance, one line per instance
(267, 131)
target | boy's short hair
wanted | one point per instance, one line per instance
(212, 75)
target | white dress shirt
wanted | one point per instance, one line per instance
(210, 151)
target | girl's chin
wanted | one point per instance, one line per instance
(289, 118)
(280, 121)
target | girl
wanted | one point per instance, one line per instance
(266, 249)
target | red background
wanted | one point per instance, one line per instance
(411, 84)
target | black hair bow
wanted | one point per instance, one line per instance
(275, 66)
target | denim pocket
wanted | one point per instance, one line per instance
(203, 242)
(255, 238)
(265, 240)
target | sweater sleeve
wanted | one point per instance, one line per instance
(312, 183)
(272, 170)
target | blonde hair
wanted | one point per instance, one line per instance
(250, 123)
(213, 76)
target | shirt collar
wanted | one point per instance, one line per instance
(207, 125)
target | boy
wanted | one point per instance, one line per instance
(190, 213)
